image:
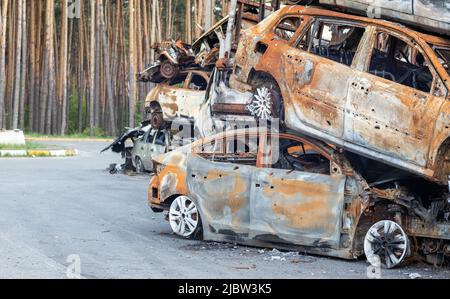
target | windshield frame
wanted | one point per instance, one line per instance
(446, 60)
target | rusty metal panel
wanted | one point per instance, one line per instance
(433, 15)
(176, 101)
(222, 193)
(434, 9)
(420, 228)
(297, 207)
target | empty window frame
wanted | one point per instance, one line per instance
(399, 61)
(336, 41)
(298, 156)
(287, 27)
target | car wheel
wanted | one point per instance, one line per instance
(139, 165)
(267, 103)
(184, 218)
(386, 244)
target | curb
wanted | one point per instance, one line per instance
(38, 153)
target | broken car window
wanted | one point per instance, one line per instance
(398, 61)
(287, 27)
(444, 57)
(298, 156)
(198, 83)
(333, 41)
(238, 150)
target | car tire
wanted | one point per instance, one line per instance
(139, 165)
(386, 244)
(184, 218)
(268, 103)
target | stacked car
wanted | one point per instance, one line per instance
(353, 159)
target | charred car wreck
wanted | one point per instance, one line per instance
(284, 190)
(360, 166)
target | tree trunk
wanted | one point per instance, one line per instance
(63, 68)
(18, 53)
(23, 81)
(92, 71)
(132, 54)
(31, 97)
(188, 22)
(3, 27)
(50, 50)
(107, 68)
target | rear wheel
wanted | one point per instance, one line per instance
(386, 244)
(267, 103)
(184, 218)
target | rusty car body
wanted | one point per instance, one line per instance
(180, 97)
(431, 15)
(175, 57)
(373, 87)
(182, 72)
(285, 190)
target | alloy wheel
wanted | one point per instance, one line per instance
(184, 217)
(386, 244)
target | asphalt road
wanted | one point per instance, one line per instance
(56, 212)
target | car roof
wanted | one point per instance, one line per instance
(314, 11)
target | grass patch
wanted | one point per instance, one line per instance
(99, 136)
(27, 146)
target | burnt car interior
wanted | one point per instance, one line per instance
(296, 156)
(194, 81)
(338, 42)
(425, 199)
(241, 151)
(400, 62)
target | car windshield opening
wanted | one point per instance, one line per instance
(444, 57)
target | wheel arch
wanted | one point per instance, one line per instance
(256, 77)
(439, 160)
(169, 200)
(379, 211)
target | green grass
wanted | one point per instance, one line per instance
(69, 136)
(27, 146)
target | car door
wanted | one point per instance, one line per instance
(321, 63)
(158, 144)
(220, 183)
(394, 100)
(143, 148)
(302, 205)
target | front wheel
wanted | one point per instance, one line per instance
(184, 218)
(386, 244)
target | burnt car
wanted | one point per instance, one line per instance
(175, 57)
(137, 146)
(372, 87)
(179, 97)
(284, 190)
